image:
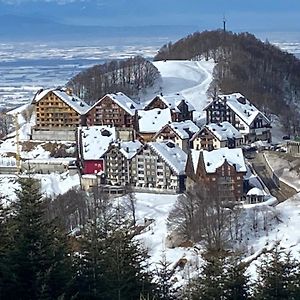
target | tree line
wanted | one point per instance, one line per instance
(87, 250)
(130, 76)
(263, 73)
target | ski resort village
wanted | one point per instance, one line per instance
(163, 151)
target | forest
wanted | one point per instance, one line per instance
(82, 246)
(267, 76)
(130, 76)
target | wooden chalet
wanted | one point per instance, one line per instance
(218, 173)
(180, 108)
(214, 136)
(116, 110)
(58, 109)
(242, 114)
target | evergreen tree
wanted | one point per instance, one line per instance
(236, 284)
(211, 282)
(111, 264)
(38, 256)
(164, 284)
(277, 277)
(6, 277)
(222, 277)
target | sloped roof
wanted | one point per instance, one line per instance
(95, 141)
(130, 149)
(123, 101)
(153, 120)
(246, 111)
(73, 101)
(185, 129)
(174, 156)
(173, 100)
(223, 131)
(216, 158)
(195, 154)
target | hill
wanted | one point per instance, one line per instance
(130, 76)
(267, 76)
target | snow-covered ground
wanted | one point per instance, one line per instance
(190, 78)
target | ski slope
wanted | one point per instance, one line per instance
(190, 78)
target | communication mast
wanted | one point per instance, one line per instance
(224, 23)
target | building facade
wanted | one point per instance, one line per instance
(159, 166)
(116, 110)
(242, 114)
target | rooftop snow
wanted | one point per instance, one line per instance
(73, 101)
(130, 149)
(96, 140)
(123, 101)
(174, 156)
(153, 120)
(173, 100)
(195, 158)
(216, 158)
(223, 131)
(255, 192)
(185, 129)
(247, 112)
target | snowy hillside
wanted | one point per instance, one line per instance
(190, 78)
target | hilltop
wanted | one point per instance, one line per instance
(267, 76)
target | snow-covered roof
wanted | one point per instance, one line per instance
(174, 156)
(242, 107)
(173, 100)
(223, 131)
(153, 120)
(130, 149)
(195, 158)
(123, 101)
(216, 158)
(185, 129)
(95, 141)
(255, 192)
(71, 100)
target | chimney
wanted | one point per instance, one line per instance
(69, 91)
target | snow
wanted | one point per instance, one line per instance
(256, 191)
(189, 78)
(95, 141)
(123, 101)
(174, 156)
(287, 171)
(223, 131)
(51, 185)
(71, 100)
(172, 101)
(151, 121)
(185, 129)
(216, 158)
(247, 112)
(130, 149)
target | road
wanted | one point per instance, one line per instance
(258, 163)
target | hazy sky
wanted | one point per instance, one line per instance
(266, 15)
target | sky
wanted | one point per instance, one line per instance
(241, 15)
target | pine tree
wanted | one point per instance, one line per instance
(211, 281)
(222, 277)
(39, 257)
(111, 264)
(277, 277)
(164, 284)
(6, 277)
(236, 284)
